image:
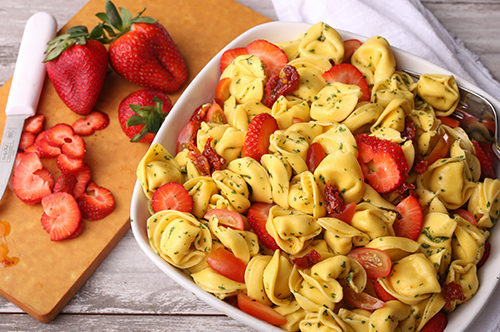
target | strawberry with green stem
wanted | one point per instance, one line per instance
(76, 65)
(141, 50)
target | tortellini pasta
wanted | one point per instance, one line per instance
(335, 102)
(247, 78)
(321, 40)
(440, 91)
(375, 60)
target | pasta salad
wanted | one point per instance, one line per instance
(322, 189)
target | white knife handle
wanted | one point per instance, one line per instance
(29, 72)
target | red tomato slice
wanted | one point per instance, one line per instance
(362, 300)
(440, 150)
(260, 310)
(346, 214)
(350, 46)
(315, 154)
(486, 254)
(225, 263)
(450, 122)
(227, 218)
(381, 292)
(436, 324)
(222, 91)
(467, 216)
(376, 262)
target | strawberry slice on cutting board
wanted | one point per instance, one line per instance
(31, 181)
(61, 216)
(96, 202)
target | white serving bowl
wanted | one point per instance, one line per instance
(202, 90)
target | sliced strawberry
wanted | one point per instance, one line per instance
(410, 223)
(77, 232)
(96, 202)
(348, 74)
(257, 218)
(350, 46)
(30, 183)
(229, 55)
(98, 120)
(32, 148)
(44, 148)
(69, 165)
(226, 217)
(362, 300)
(486, 162)
(65, 183)
(27, 139)
(46, 176)
(61, 216)
(273, 57)
(172, 196)
(436, 324)
(57, 134)
(222, 90)
(82, 179)
(381, 292)
(34, 124)
(257, 138)
(83, 127)
(308, 260)
(215, 114)
(74, 147)
(383, 163)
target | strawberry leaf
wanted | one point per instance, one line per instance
(113, 15)
(135, 120)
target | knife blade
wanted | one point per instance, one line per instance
(27, 82)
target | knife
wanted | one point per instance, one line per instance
(25, 89)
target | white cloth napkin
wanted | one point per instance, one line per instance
(406, 24)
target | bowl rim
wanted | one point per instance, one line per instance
(459, 320)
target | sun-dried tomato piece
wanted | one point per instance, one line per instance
(216, 162)
(409, 132)
(334, 200)
(199, 160)
(284, 83)
(420, 165)
(452, 291)
(486, 254)
(308, 260)
(406, 189)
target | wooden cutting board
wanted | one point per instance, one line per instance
(48, 273)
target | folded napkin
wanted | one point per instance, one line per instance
(406, 24)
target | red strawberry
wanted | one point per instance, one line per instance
(141, 114)
(57, 134)
(383, 163)
(257, 138)
(96, 202)
(34, 124)
(172, 196)
(32, 148)
(69, 165)
(348, 74)
(27, 139)
(30, 183)
(273, 57)
(82, 179)
(486, 160)
(98, 120)
(229, 55)
(77, 67)
(410, 223)
(436, 324)
(95, 120)
(61, 216)
(257, 218)
(65, 183)
(44, 148)
(77, 232)
(142, 50)
(74, 147)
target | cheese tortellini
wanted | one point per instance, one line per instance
(285, 211)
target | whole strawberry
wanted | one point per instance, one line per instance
(142, 51)
(77, 66)
(141, 114)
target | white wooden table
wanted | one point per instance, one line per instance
(127, 292)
